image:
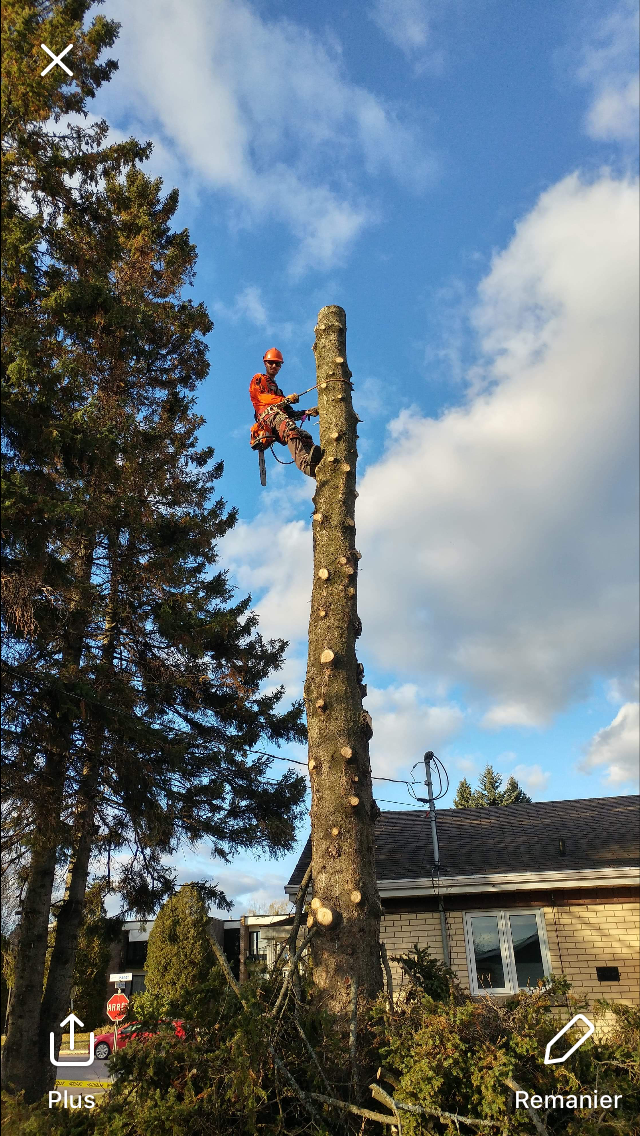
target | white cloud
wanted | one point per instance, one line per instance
(262, 110)
(408, 24)
(499, 540)
(532, 778)
(616, 748)
(249, 307)
(273, 556)
(404, 22)
(625, 688)
(405, 726)
(466, 765)
(609, 66)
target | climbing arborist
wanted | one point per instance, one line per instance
(275, 419)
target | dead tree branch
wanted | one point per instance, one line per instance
(289, 975)
(532, 1112)
(419, 1110)
(388, 975)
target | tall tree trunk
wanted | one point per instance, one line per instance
(57, 994)
(23, 1021)
(23, 1018)
(346, 903)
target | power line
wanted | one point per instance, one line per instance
(392, 780)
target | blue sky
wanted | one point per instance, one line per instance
(461, 176)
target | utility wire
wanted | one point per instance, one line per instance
(278, 757)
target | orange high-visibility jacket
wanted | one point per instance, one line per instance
(264, 392)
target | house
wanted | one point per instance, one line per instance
(522, 891)
(129, 952)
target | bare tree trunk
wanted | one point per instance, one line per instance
(20, 1050)
(244, 950)
(23, 1018)
(57, 994)
(346, 903)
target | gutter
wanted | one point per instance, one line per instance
(506, 881)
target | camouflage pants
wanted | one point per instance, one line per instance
(301, 445)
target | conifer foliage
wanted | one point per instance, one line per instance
(132, 675)
(489, 792)
(179, 956)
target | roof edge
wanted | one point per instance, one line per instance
(505, 881)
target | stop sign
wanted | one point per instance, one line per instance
(117, 1007)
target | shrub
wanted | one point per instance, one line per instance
(180, 955)
(427, 975)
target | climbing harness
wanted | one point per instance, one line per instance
(262, 437)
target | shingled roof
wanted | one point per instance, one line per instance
(598, 832)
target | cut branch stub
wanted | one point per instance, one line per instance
(353, 801)
(317, 517)
(323, 573)
(327, 656)
(335, 831)
(355, 896)
(312, 765)
(320, 704)
(346, 752)
(327, 917)
(316, 903)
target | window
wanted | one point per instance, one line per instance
(507, 951)
(255, 948)
(136, 952)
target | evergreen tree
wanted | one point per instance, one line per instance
(489, 792)
(98, 932)
(132, 676)
(464, 796)
(180, 955)
(512, 794)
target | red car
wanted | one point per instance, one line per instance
(103, 1042)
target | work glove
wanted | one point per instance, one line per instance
(292, 398)
(312, 412)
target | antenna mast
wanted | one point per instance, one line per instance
(431, 800)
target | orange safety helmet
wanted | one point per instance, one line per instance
(272, 356)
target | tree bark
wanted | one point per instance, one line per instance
(57, 995)
(23, 1021)
(343, 812)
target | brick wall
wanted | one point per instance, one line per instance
(580, 937)
(599, 934)
(400, 930)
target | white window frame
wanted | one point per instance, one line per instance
(506, 947)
